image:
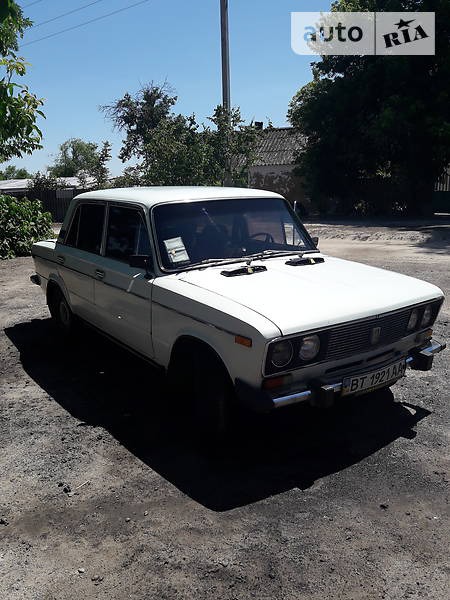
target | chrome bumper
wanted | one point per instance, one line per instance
(420, 360)
(431, 349)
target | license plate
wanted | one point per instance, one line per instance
(368, 381)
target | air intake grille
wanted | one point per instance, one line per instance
(356, 337)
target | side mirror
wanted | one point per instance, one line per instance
(315, 240)
(140, 261)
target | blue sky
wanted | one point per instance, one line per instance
(173, 40)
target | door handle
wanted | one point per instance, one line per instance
(60, 259)
(100, 274)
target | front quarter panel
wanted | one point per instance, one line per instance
(180, 309)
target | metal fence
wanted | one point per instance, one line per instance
(55, 202)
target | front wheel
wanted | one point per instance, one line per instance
(203, 394)
(213, 397)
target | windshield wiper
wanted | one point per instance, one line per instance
(248, 258)
(274, 253)
(213, 261)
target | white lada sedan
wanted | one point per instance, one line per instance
(225, 289)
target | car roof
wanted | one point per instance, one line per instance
(157, 194)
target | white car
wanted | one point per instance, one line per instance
(225, 289)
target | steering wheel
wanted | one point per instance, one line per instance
(268, 236)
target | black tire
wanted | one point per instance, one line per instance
(213, 398)
(61, 312)
(203, 395)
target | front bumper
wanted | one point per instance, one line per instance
(420, 359)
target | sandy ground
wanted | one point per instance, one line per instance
(101, 498)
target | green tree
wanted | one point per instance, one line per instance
(99, 170)
(234, 141)
(22, 222)
(19, 108)
(12, 172)
(377, 128)
(172, 149)
(176, 153)
(137, 116)
(40, 182)
(74, 155)
(78, 158)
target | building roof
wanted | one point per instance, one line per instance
(278, 146)
(19, 185)
(157, 194)
(15, 185)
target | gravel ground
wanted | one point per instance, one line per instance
(101, 498)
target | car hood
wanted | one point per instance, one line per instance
(300, 298)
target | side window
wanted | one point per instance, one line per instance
(86, 229)
(127, 234)
(72, 236)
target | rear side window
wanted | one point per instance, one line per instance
(86, 229)
(127, 234)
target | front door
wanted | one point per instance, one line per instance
(123, 293)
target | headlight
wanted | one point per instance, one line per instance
(413, 319)
(426, 317)
(281, 354)
(309, 347)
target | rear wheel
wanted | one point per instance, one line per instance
(61, 312)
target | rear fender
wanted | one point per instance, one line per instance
(56, 280)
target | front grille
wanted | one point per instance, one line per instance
(355, 338)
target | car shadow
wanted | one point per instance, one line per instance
(102, 385)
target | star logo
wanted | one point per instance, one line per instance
(403, 23)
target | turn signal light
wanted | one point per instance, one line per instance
(243, 341)
(276, 382)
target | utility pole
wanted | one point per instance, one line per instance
(226, 95)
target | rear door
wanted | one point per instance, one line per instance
(79, 256)
(123, 293)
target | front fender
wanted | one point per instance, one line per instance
(169, 325)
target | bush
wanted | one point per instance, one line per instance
(22, 222)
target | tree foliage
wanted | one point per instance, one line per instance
(22, 222)
(78, 158)
(19, 108)
(13, 172)
(74, 155)
(137, 116)
(233, 142)
(377, 128)
(41, 182)
(100, 171)
(173, 149)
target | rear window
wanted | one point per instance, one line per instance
(86, 229)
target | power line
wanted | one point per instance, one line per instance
(114, 12)
(66, 13)
(31, 4)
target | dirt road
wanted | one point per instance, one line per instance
(101, 498)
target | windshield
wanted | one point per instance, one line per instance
(191, 232)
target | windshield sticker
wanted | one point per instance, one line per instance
(176, 250)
